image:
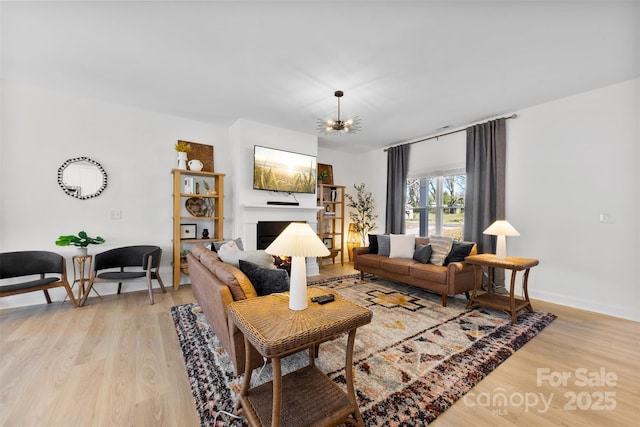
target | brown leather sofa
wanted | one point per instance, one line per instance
(452, 279)
(216, 284)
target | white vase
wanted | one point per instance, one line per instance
(82, 251)
(182, 160)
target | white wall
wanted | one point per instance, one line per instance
(568, 161)
(41, 129)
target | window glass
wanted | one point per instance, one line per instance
(435, 206)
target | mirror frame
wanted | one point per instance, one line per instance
(71, 193)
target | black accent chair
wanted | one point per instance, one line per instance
(142, 261)
(30, 263)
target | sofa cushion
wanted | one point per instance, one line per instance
(369, 260)
(422, 254)
(239, 285)
(428, 272)
(440, 245)
(384, 244)
(259, 257)
(402, 245)
(373, 244)
(396, 265)
(459, 251)
(265, 280)
(215, 246)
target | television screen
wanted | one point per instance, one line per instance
(279, 170)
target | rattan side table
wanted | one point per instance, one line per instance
(509, 304)
(307, 396)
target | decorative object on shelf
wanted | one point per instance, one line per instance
(82, 178)
(333, 194)
(501, 228)
(82, 240)
(335, 125)
(325, 174)
(208, 188)
(203, 153)
(298, 241)
(196, 206)
(195, 165)
(205, 233)
(182, 147)
(322, 175)
(364, 217)
(188, 231)
(183, 255)
(189, 185)
(328, 242)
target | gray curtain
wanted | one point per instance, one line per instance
(397, 170)
(484, 198)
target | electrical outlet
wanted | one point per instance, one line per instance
(116, 214)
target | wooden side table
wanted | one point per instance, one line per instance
(307, 396)
(509, 304)
(82, 274)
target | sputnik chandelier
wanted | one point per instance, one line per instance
(336, 125)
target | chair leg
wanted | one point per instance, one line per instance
(88, 291)
(164, 290)
(119, 287)
(46, 295)
(150, 291)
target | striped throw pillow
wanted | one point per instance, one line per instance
(441, 246)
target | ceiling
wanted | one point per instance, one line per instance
(408, 69)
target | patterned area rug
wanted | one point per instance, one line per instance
(411, 363)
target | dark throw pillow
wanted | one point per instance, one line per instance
(459, 251)
(422, 254)
(384, 244)
(373, 243)
(265, 280)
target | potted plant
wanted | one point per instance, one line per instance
(82, 240)
(364, 216)
(322, 175)
(182, 148)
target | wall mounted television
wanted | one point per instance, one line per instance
(284, 171)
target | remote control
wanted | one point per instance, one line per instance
(323, 299)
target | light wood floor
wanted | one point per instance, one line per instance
(116, 361)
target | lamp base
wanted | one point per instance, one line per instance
(501, 247)
(298, 284)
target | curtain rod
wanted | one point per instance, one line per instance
(513, 116)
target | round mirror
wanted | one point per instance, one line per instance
(82, 178)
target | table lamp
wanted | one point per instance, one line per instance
(501, 228)
(298, 241)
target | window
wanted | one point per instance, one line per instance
(435, 206)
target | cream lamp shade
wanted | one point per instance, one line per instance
(298, 241)
(501, 228)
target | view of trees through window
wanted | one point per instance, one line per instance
(435, 206)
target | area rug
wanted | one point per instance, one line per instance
(412, 362)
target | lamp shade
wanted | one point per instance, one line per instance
(501, 228)
(298, 240)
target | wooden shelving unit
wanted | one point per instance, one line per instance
(210, 217)
(331, 220)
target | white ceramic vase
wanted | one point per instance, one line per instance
(182, 160)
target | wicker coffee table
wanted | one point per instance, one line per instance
(307, 396)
